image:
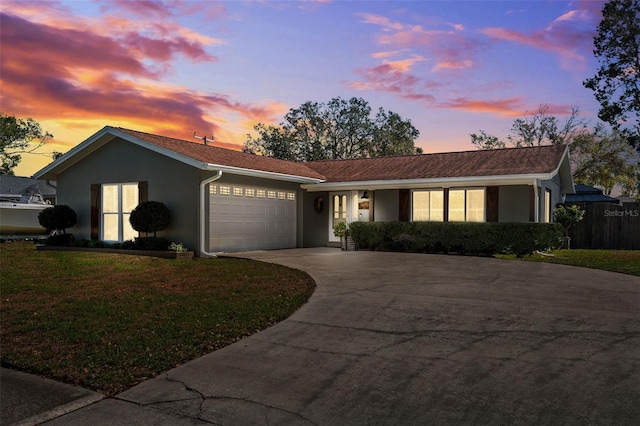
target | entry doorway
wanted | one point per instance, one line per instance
(339, 211)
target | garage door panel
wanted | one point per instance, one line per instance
(251, 218)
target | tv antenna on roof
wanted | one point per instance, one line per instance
(204, 138)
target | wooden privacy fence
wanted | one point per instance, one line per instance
(607, 226)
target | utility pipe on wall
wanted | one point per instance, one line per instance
(203, 214)
(536, 202)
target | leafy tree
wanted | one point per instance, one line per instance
(540, 128)
(603, 159)
(339, 129)
(274, 141)
(632, 189)
(17, 137)
(568, 216)
(617, 82)
(486, 141)
(393, 135)
(57, 218)
(599, 158)
(150, 216)
(535, 129)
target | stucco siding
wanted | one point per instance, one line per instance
(385, 205)
(513, 203)
(316, 224)
(555, 187)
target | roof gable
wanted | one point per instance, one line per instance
(205, 157)
(213, 155)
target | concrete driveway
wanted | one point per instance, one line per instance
(390, 338)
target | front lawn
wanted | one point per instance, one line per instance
(108, 321)
(625, 261)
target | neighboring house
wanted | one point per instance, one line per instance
(589, 194)
(224, 200)
(15, 188)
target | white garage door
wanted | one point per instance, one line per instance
(251, 218)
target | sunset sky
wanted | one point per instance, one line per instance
(220, 67)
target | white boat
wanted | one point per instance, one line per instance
(20, 217)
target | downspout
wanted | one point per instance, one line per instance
(203, 184)
(536, 202)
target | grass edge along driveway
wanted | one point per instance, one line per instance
(623, 261)
(107, 322)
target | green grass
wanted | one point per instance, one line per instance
(624, 261)
(108, 321)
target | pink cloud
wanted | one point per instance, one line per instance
(450, 49)
(140, 7)
(383, 21)
(394, 77)
(510, 107)
(453, 65)
(570, 35)
(52, 73)
(164, 49)
(164, 9)
(33, 47)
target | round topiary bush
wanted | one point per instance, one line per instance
(150, 217)
(57, 218)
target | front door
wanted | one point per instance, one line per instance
(339, 211)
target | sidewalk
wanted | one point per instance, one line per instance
(27, 399)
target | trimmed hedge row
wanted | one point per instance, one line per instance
(520, 239)
(140, 243)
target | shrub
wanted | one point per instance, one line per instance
(99, 244)
(152, 243)
(177, 247)
(341, 229)
(567, 216)
(61, 240)
(150, 217)
(57, 218)
(462, 238)
(128, 245)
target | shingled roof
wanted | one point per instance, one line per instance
(498, 162)
(226, 157)
(535, 163)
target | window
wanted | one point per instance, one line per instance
(467, 205)
(339, 209)
(547, 205)
(428, 205)
(118, 200)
